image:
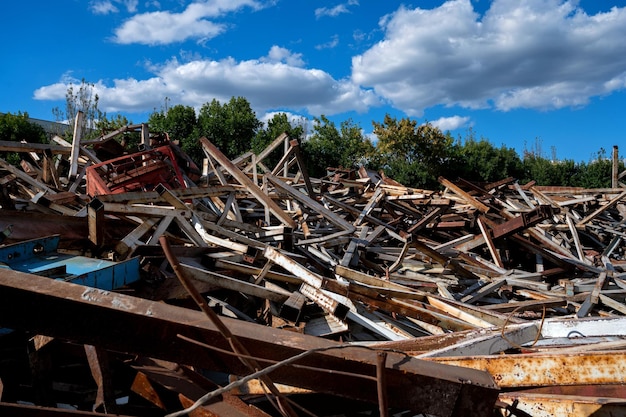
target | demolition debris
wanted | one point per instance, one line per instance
(134, 284)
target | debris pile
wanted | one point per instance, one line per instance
(258, 290)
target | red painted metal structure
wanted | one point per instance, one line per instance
(141, 171)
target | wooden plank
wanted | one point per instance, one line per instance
(613, 304)
(593, 297)
(224, 281)
(468, 198)
(458, 313)
(11, 146)
(267, 151)
(602, 209)
(75, 152)
(243, 179)
(309, 202)
(38, 185)
(378, 195)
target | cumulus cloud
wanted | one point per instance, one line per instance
(336, 10)
(165, 27)
(450, 123)
(284, 55)
(539, 54)
(266, 83)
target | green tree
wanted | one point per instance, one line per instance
(549, 171)
(179, 122)
(16, 128)
(413, 155)
(331, 147)
(597, 173)
(276, 126)
(481, 161)
(231, 127)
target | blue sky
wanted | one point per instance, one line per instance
(518, 73)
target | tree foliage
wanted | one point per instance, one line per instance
(480, 161)
(596, 173)
(180, 124)
(411, 153)
(331, 147)
(17, 128)
(230, 126)
(414, 154)
(276, 126)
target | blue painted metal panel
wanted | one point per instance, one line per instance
(40, 257)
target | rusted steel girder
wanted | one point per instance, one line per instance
(133, 325)
(546, 369)
(523, 221)
(549, 405)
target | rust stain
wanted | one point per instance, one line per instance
(547, 369)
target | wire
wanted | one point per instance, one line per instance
(518, 346)
(235, 384)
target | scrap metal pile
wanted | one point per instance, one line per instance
(257, 290)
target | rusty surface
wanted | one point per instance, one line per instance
(546, 405)
(142, 386)
(531, 370)
(522, 221)
(132, 325)
(141, 171)
(392, 262)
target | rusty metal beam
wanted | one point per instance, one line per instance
(123, 323)
(189, 385)
(551, 405)
(522, 221)
(543, 369)
(99, 364)
(73, 230)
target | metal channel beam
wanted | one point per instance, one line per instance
(128, 324)
(533, 370)
(547, 405)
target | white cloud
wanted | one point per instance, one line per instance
(335, 11)
(109, 6)
(268, 84)
(293, 118)
(103, 7)
(131, 5)
(450, 123)
(165, 27)
(279, 54)
(541, 54)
